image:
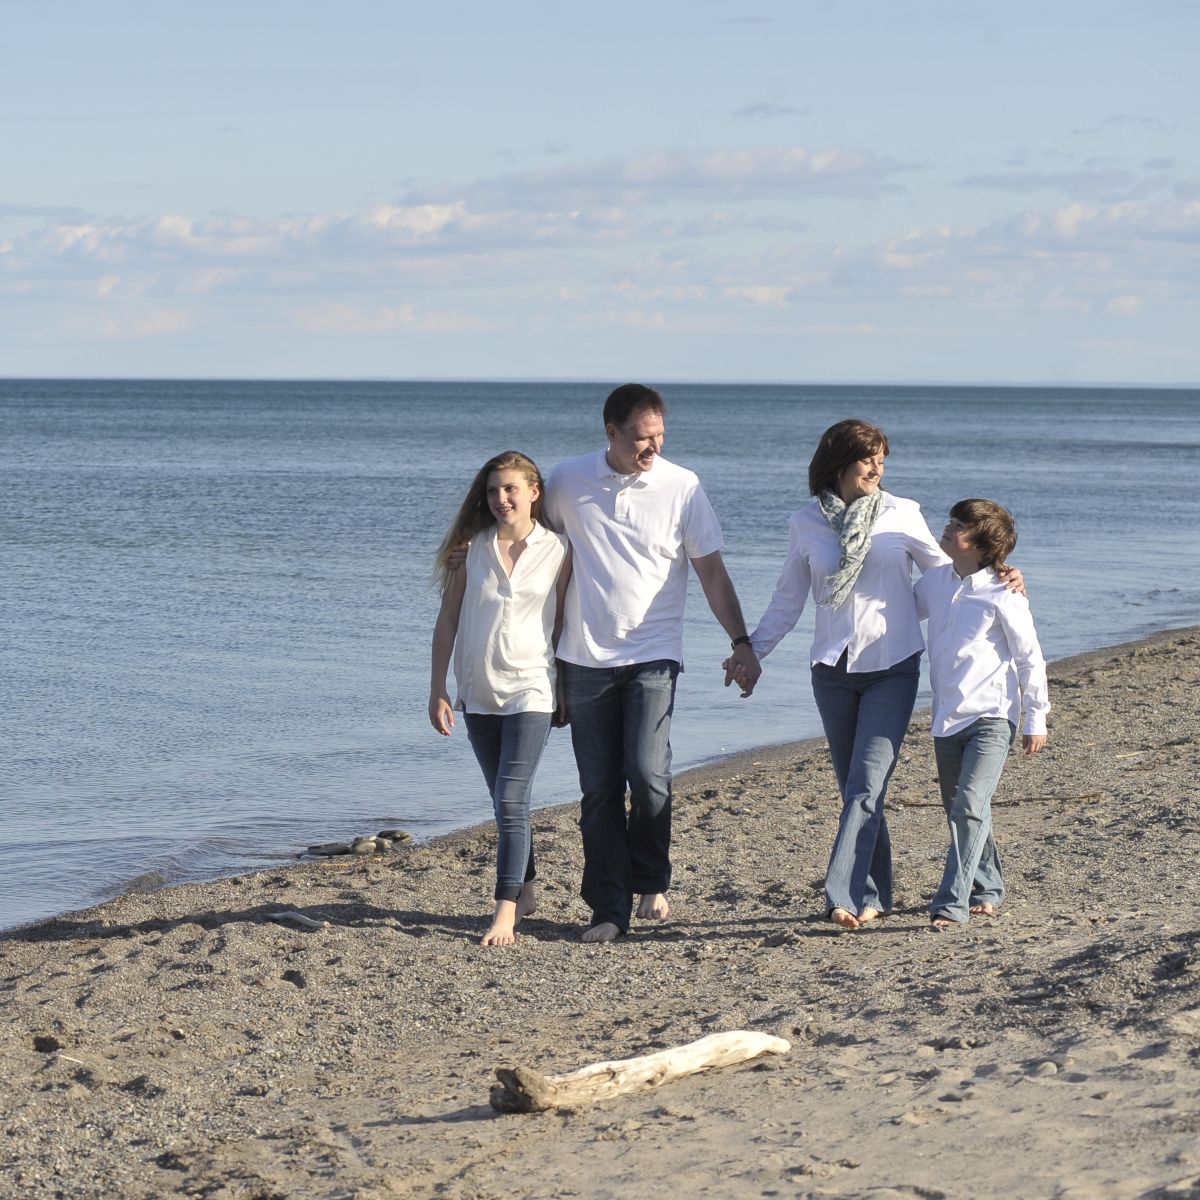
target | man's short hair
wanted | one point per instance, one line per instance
(624, 401)
(991, 528)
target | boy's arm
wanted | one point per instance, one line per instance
(1017, 622)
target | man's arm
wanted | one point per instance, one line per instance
(742, 664)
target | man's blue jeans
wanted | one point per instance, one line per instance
(620, 730)
(509, 749)
(865, 715)
(969, 764)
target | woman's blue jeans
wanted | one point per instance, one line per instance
(509, 749)
(865, 715)
(969, 764)
(620, 731)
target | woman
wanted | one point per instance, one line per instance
(500, 615)
(853, 548)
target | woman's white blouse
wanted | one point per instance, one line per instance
(504, 653)
(877, 625)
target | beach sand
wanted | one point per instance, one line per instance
(183, 1043)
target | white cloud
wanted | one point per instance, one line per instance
(768, 295)
(1124, 306)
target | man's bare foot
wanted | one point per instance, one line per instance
(653, 906)
(869, 914)
(605, 931)
(843, 917)
(502, 932)
(984, 909)
(526, 901)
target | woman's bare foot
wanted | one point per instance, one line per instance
(941, 921)
(605, 931)
(984, 909)
(869, 914)
(502, 932)
(653, 906)
(843, 917)
(526, 901)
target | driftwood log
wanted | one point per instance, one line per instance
(522, 1089)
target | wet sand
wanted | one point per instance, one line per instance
(184, 1043)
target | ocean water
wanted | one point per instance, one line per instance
(217, 604)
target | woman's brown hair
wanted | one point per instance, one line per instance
(842, 445)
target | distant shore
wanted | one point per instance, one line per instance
(195, 1041)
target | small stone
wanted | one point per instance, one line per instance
(1045, 1068)
(395, 835)
(330, 848)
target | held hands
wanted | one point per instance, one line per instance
(441, 713)
(560, 717)
(1031, 743)
(457, 556)
(742, 668)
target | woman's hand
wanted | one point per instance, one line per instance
(441, 713)
(1012, 579)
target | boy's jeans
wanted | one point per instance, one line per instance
(620, 732)
(969, 764)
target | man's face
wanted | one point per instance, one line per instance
(633, 447)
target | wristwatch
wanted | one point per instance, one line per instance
(744, 640)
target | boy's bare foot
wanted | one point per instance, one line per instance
(984, 909)
(502, 932)
(869, 914)
(526, 901)
(843, 917)
(605, 931)
(653, 906)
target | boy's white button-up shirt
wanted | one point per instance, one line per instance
(877, 625)
(631, 538)
(984, 655)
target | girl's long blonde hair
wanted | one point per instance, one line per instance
(474, 514)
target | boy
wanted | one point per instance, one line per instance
(984, 659)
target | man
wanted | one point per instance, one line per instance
(634, 520)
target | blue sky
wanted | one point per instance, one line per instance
(887, 190)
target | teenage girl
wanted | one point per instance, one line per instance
(500, 617)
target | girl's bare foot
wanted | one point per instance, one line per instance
(502, 932)
(605, 931)
(527, 901)
(984, 909)
(843, 917)
(941, 921)
(869, 914)
(653, 905)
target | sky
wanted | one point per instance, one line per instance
(799, 191)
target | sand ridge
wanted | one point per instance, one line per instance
(185, 1043)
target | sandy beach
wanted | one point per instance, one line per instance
(185, 1043)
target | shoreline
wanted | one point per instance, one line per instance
(699, 775)
(193, 1041)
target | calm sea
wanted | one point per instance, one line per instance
(217, 606)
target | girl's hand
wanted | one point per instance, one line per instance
(441, 713)
(1031, 743)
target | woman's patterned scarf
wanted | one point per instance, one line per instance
(853, 525)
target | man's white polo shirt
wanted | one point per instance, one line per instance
(631, 537)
